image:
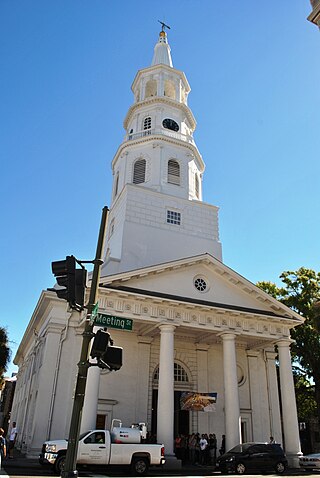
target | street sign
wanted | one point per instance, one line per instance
(113, 322)
(94, 311)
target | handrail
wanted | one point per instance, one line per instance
(156, 131)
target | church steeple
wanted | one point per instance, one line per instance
(162, 50)
(157, 214)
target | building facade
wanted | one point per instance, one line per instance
(198, 326)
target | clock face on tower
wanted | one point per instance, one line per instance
(170, 124)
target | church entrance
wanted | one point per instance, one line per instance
(181, 417)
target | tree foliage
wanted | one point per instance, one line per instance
(4, 351)
(301, 292)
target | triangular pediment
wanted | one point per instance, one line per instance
(183, 280)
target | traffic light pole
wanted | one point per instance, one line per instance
(83, 365)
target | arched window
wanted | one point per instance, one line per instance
(196, 185)
(139, 171)
(169, 89)
(180, 374)
(151, 88)
(173, 172)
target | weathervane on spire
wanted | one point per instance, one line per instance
(164, 25)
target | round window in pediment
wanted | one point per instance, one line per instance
(201, 284)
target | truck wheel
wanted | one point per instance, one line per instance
(140, 466)
(59, 464)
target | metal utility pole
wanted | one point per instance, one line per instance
(83, 365)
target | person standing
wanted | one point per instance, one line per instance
(12, 439)
(203, 449)
(3, 447)
(223, 445)
(213, 448)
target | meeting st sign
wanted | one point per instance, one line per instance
(113, 322)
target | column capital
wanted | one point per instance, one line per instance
(164, 327)
(252, 353)
(285, 342)
(144, 340)
(228, 336)
(203, 347)
(270, 355)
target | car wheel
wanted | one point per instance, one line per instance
(241, 468)
(59, 464)
(140, 466)
(280, 468)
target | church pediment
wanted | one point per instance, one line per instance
(203, 281)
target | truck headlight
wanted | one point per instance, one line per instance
(50, 447)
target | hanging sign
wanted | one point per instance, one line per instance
(201, 402)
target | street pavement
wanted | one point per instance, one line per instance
(27, 467)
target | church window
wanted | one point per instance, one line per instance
(196, 185)
(147, 123)
(173, 217)
(200, 284)
(180, 374)
(173, 172)
(139, 171)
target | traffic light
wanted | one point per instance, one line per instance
(100, 343)
(108, 356)
(112, 358)
(71, 280)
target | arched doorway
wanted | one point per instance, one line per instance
(181, 384)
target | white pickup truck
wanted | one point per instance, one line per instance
(122, 446)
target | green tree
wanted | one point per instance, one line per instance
(301, 292)
(4, 352)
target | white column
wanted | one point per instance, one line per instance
(142, 388)
(255, 396)
(90, 405)
(231, 392)
(203, 385)
(289, 407)
(165, 416)
(273, 393)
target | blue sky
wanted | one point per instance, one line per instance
(66, 73)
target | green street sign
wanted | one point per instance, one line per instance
(94, 312)
(113, 322)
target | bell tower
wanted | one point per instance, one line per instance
(157, 213)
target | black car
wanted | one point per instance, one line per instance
(253, 456)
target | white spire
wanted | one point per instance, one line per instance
(162, 55)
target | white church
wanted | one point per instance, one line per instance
(197, 325)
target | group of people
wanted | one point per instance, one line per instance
(198, 449)
(7, 446)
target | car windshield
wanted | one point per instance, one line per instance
(240, 448)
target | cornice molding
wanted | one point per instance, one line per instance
(158, 100)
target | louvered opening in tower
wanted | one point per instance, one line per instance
(139, 171)
(173, 172)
